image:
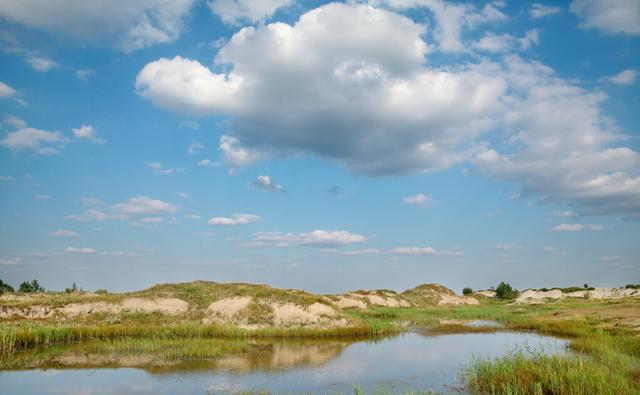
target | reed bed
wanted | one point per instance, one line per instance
(13, 338)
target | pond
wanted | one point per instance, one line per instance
(394, 365)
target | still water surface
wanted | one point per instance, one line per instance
(408, 362)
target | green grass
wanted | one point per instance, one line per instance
(24, 336)
(606, 358)
(521, 373)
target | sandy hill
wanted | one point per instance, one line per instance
(205, 302)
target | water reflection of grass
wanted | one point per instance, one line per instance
(178, 355)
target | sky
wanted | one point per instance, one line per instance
(321, 146)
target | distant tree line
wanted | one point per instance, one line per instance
(34, 286)
(503, 291)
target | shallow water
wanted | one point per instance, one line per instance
(398, 364)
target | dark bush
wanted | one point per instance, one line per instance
(504, 291)
(33, 286)
(467, 291)
(4, 287)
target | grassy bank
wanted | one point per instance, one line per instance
(20, 337)
(606, 350)
(606, 361)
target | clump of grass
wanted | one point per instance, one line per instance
(521, 373)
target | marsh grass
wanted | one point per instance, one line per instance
(521, 373)
(21, 337)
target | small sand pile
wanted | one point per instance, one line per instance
(485, 294)
(364, 299)
(249, 313)
(532, 296)
(436, 294)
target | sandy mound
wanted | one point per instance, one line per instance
(436, 294)
(345, 302)
(229, 307)
(26, 312)
(170, 306)
(485, 294)
(456, 300)
(289, 314)
(533, 296)
(365, 299)
(249, 313)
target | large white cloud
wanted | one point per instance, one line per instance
(451, 19)
(352, 83)
(609, 16)
(559, 145)
(129, 24)
(346, 82)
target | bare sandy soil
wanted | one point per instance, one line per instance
(534, 296)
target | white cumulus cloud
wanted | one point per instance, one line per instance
(317, 238)
(238, 11)
(266, 183)
(608, 16)
(80, 250)
(424, 251)
(625, 77)
(419, 200)
(142, 205)
(235, 219)
(64, 233)
(129, 25)
(538, 10)
(87, 132)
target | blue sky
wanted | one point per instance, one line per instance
(324, 146)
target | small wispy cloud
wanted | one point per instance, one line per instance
(208, 163)
(576, 227)
(64, 233)
(235, 219)
(509, 247)
(625, 77)
(424, 251)
(266, 183)
(366, 251)
(159, 168)
(87, 132)
(316, 238)
(194, 148)
(538, 11)
(419, 200)
(80, 250)
(554, 251)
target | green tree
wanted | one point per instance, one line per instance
(73, 289)
(4, 287)
(504, 291)
(467, 291)
(33, 286)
